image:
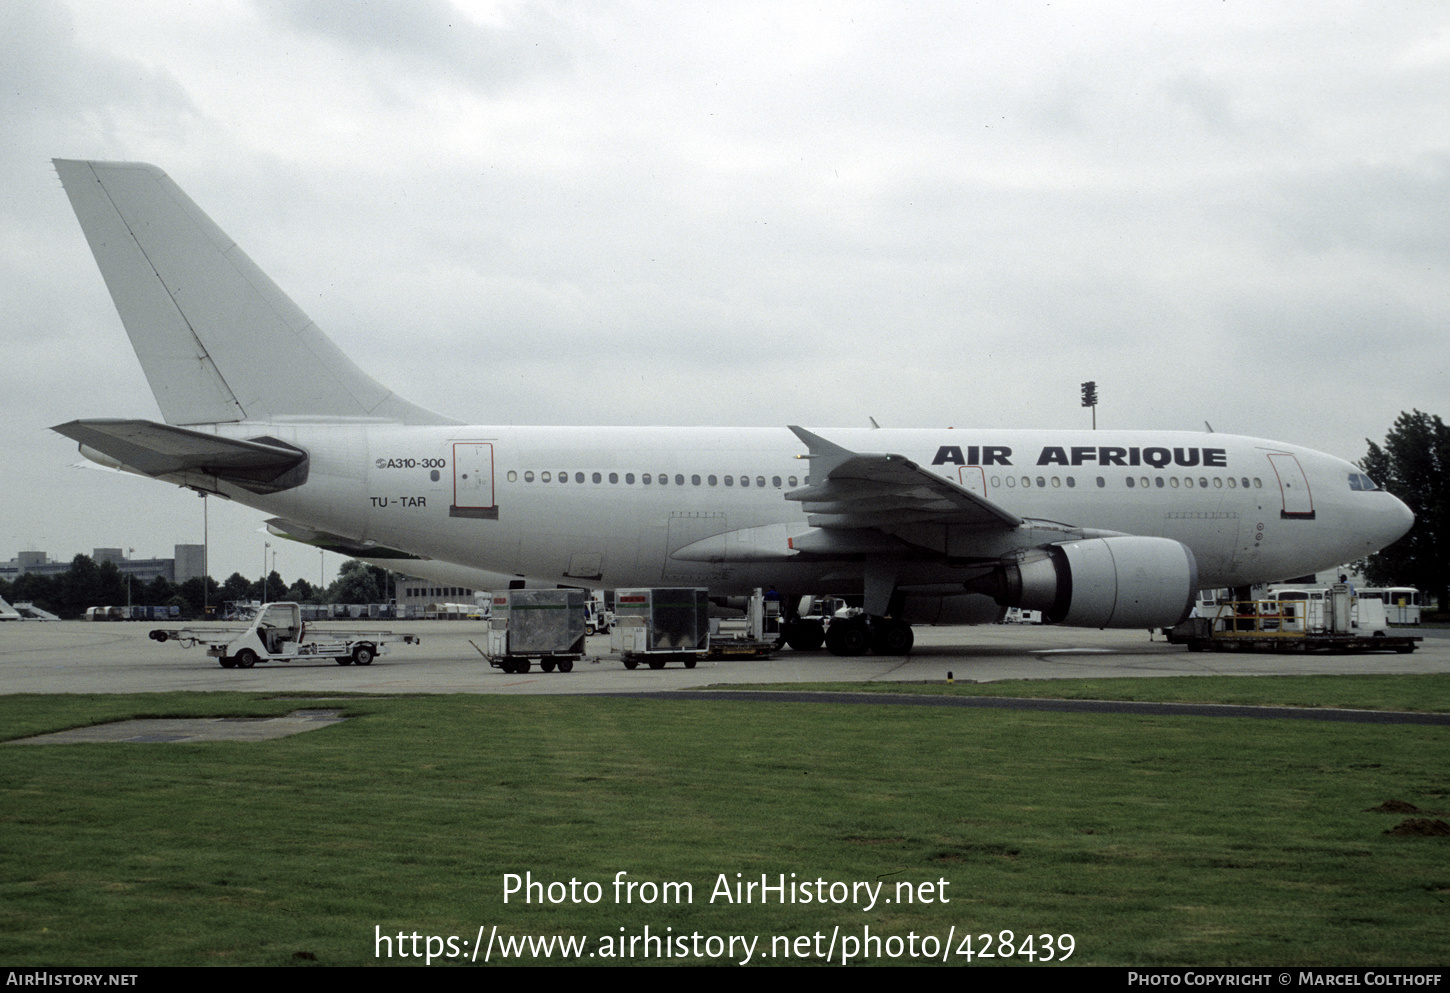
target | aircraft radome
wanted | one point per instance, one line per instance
(1093, 528)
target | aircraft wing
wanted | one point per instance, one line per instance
(330, 542)
(262, 465)
(882, 491)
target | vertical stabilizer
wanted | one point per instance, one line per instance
(217, 339)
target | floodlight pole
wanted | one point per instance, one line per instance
(1090, 399)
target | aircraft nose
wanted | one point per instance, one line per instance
(1394, 521)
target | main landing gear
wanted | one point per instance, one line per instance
(859, 635)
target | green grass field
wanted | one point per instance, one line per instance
(1426, 693)
(1173, 841)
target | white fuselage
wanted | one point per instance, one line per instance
(606, 507)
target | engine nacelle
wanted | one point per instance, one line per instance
(1125, 582)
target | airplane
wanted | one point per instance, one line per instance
(1104, 529)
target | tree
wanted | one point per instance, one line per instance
(300, 592)
(357, 582)
(236, 587)
(200, 593)
(1412, 465)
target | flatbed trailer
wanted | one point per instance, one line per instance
(1340, 624)
(278, 634)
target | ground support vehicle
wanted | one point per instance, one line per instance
(278, 634)
(756, 635)
(542, 625)
(600, 618)
(1338, 622)
(656, 626)
(1403, 604)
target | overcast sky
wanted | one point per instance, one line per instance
(747, 214)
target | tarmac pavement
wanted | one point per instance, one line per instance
(119, 657)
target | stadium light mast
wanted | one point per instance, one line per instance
(1090, 399)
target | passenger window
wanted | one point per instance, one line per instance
(644, 479)
(710, 480)
(529, 477)
(614, 477)
(598, 478)
(775, 481)
(1102, 482)
(513, 476)
(694, 480)
(790, 481)
(679, 479)
(729, 480)
(1129, 481)
(629, 478)
(544, 477)
(579, 477)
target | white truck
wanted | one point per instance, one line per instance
(278, 634)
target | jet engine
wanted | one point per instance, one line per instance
(1122, 582)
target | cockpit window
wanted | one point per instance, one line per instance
(1358, 481)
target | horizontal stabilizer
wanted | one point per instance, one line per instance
(262, 465)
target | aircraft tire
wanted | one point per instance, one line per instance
(847, 638)
(890, 637)
(245, 659)
(805, 636)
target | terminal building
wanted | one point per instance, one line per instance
(188, 563)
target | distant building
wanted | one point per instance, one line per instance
(420, 593)
(188, 563)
